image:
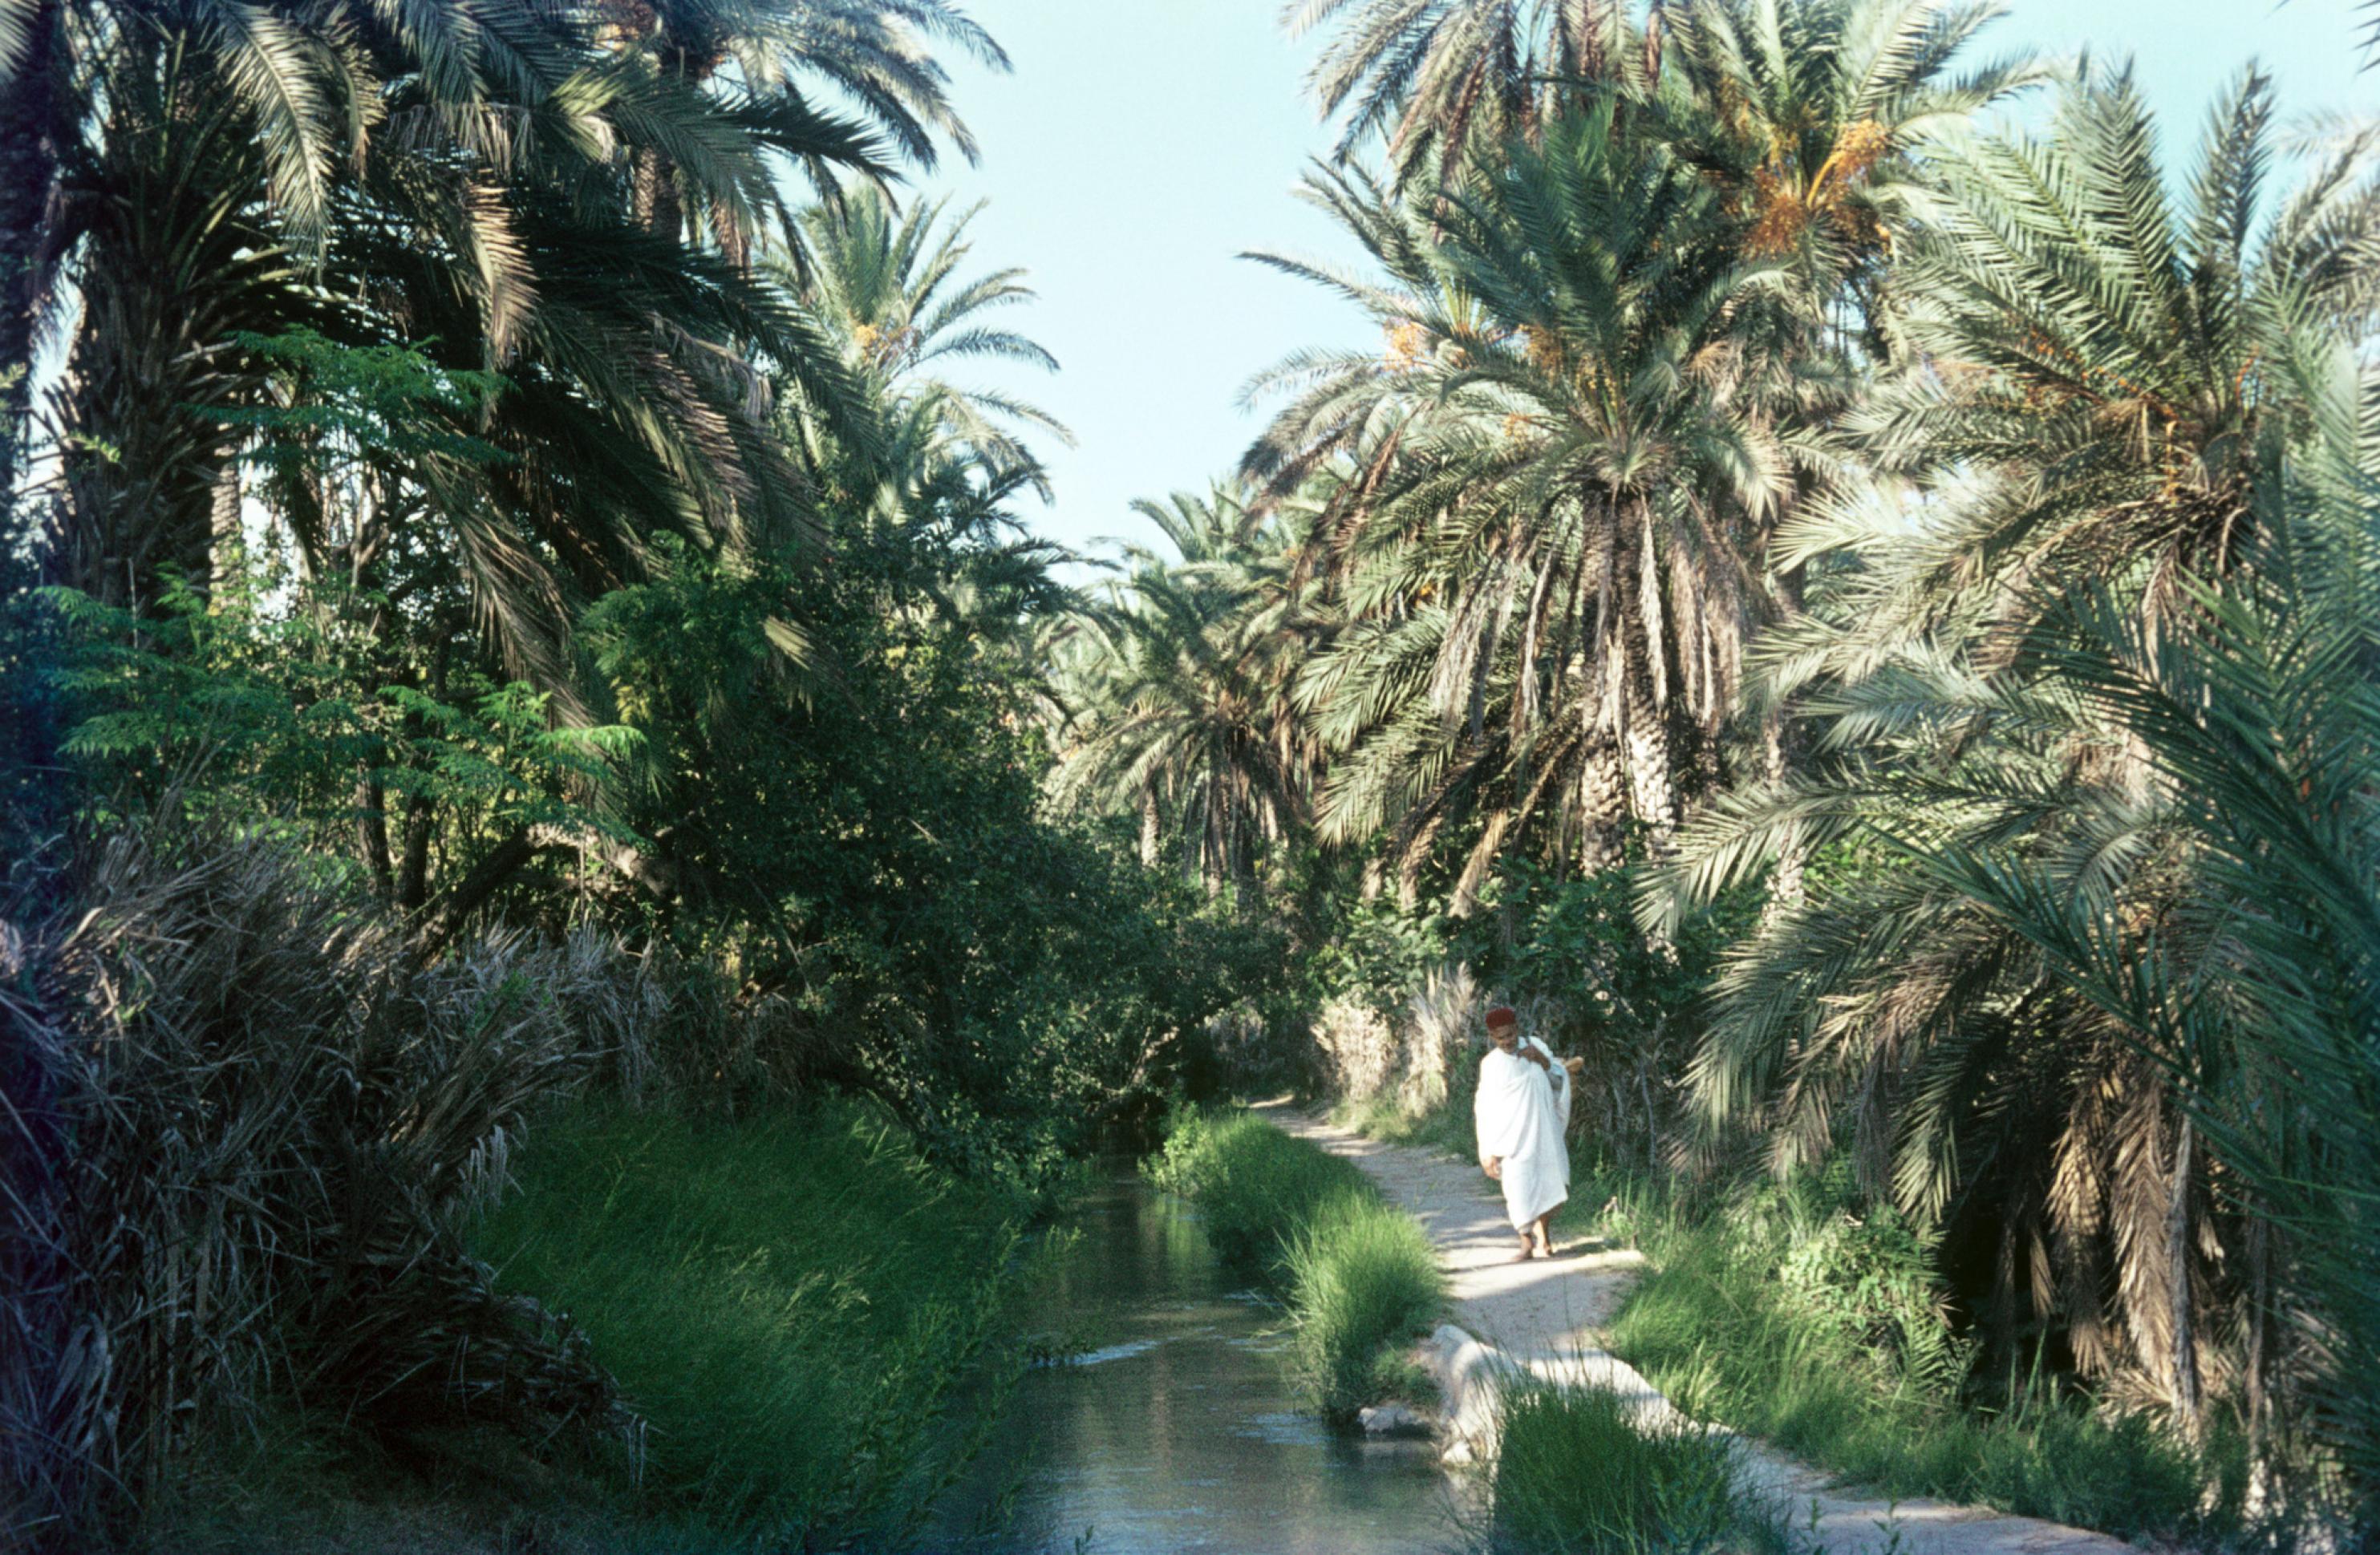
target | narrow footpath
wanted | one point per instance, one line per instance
(1547, 1316)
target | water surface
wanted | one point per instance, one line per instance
(1173, 1428)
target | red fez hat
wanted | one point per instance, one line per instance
(1501, 1015)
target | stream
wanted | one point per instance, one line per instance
(1173, 1427)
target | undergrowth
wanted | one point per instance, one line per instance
(789, 1301)
(1577, 1475)
(1357, 1275)
(1740, 1321)
(1791, 1313)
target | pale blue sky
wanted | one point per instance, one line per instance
(1141, 144)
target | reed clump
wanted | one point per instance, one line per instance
(246, 1130)
(1577, 1475)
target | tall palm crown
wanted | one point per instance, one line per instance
(2108, 352)
(890, 284)
(1436, 80)
(1807, 112)
(1569, 453)
(1174, 690)
(922, 472)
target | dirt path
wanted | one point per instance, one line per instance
(1547, 1316)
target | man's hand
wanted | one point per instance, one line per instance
(1534, 1056)
(1493, 1166)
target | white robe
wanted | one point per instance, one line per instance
(1521, 1112)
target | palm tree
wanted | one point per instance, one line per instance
(2107, 351)
(754, 58)
(888, 285)
(1174, 692)
(1806, 114)
(1436, 80)
(30, 64)
(923, 471)
(2021, 1000)
(498, 215)
(1569, 460)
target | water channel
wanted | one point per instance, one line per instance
(1173, 1427)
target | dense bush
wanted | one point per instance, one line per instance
(246, 1130)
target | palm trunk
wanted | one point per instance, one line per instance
(1603, 804)
(413, 873)
(1652, 768)
(1785, 886)
(1644, 722)
(28, 168)
(2179, 1224)
(173, 272)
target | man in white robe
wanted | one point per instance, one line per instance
(1520, 1110)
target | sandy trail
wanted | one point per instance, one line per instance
(1547, 1316)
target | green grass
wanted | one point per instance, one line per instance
(1357, 1275)
(788, 1300)
(1576, 1477)
(1711, 1328)
(1713, 1325)
(1361, 1276)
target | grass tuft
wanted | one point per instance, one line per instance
(1361, 1276)
(1358, 1276)
(1575, 1476)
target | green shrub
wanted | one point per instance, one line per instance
(788, 1300)
(1575, 1475)
(1357, 1275)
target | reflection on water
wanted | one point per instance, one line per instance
(1174, 1429)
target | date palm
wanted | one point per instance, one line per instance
(1806, 114)
(1174, 692)
(496, 213)
(1570, 453)
(2106, 353)
(2074, 694)
(888, 285)
(1435, 79)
